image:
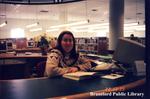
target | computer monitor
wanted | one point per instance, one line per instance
(129, 51)
(3, 45)
(31, 44)
(9, 45)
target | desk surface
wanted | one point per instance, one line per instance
(26, 50)
(21, 55)
(55, 87)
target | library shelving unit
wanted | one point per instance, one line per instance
(95, 45)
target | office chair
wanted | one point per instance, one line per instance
(40, 68)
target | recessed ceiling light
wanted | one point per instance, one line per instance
(128, 18)
(139, 13)
(2, 15)
(44, 11)
(94, 10)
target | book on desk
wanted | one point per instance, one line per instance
(80, 75)
(98, 71)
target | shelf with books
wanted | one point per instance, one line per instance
(96, 45)
(102, 45)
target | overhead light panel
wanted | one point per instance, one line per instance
(32, 25)
(92, 25)
(36, 29)
(51, 30)
(131, 24)
(71, 24)
(3, 24)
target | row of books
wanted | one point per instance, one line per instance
(97, 45)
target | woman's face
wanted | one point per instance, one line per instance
(67, 43)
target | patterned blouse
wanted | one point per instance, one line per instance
(58, 65)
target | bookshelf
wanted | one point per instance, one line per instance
(92, 45)
(96, 45)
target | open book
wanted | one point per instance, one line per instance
(80, 75)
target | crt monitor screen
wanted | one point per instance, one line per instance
(30, 44)
(128, 51)
(2, 45)
(9, 45)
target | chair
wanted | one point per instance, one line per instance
(40, 68)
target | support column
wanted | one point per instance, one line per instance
(116, 22)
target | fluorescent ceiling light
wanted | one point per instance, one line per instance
(70, 24)
(89, 30)
(91, 25)
(129, 31)
(99, 27)
(32, 25)
(131, 24)
(140, 29)
(51, 30)
(80, 30)
(140, 26)
(36, 29)
(3, 24)
(135, 27)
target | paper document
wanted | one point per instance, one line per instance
(103, 66)
(79, 75)
(112, 76)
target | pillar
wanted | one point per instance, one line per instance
(116, 22)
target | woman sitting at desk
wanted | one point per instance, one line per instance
(64, 58)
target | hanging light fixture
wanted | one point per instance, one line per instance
(51, 30)
(71, 24)
(36, 29)
(4, 23)
(83, 22)
(34, 24)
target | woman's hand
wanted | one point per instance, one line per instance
(72, 69)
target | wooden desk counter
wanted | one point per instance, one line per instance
(21, 55)
(28, 50)
(40, 88)
(7, 60)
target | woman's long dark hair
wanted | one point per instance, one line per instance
(73, 53)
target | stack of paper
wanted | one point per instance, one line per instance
(112, 76)
(79, 75)
(103, 66)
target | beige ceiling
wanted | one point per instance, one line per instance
(49, 15)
